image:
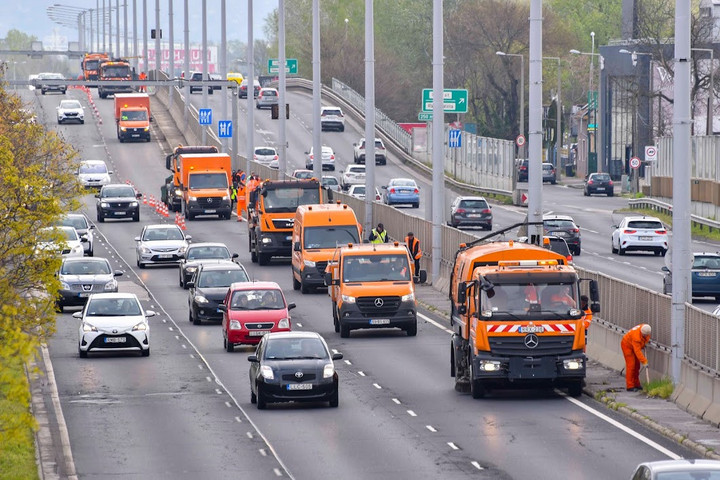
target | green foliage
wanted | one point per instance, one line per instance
(662, 388)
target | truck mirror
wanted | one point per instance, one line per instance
(665, 269)
(291, 306)
(462, 309)
(462, 294)
(330, 195)
(328, 279)
(594, 291)
(296, 247)
(595, 307)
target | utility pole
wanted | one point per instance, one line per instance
(438, 135)
(369, 114)
(535, 115)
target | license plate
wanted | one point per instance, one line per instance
(210, 211)
(473, 215)
(84, 294)
(135, 135)
(646, 239)
(119, 213)
(258, 333)
(289, 237)
(115, 339)
(532, 329)
(380, 321)
(706, 274)
(165, 255)
(558, 234)
(299, 386)
(600, 189)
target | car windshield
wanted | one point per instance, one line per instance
(85, 267)
(689, 475)
(645, 224)
(221, 278)
(706, 262)
(329, 181)
(473, 204)
(604, 177)
(375, 268)
(202, 252)
(288, 199)
(120, 192)
(268, 93)
(559, 224)
(207, 180)
(159, 234)
(331, 112)
(134, 115)
(519, 299)
(295, 348)
(266, 299)
(302, 175)
(112, 307)
(356, 170)
(358, 190)
(116, 71)
(558, 245)
(70, 104)
(403, 183)
(79, 222)
(92, 168)
(330, 237)
(69, 233)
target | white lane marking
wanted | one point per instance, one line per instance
(208, 379)
(453, 446)
(431, 428)
(164, 320)
(249, 434)
(227, 404)
(377, 386)
(238, 419)
(177, 337)
(348, 362)
(263, 452)
(362, 374)
(411, 413)
(184, 346)
(200, 366)
(170, 328)
(430, 320)
(218, 391)
(192, 355)
(277, 471)
(397, 401)
(298, 323)
(476, 465)
(625, 429)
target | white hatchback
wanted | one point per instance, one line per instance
(113, 322)
(265, 155)
(61, 239)
(161, 245)
(353, 175)
(640, 234)
(70, 111)
(93, 173)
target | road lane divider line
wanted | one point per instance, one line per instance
(397, 401)
(437, 324)
(476, 465)
(411, 413)
(431, 428)
(377, 386)
(453, 446)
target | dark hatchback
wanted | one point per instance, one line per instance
(564, 227)
(598, 183)
(118, 201)
(549, 173)
(198, 253)
(293, 367)
(208, 288)
(704, 274)
(471, 212)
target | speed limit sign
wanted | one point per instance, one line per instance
(634, 162)
(520, 140)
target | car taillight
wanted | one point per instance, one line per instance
(574, 230)
(460, 210)
(332, 157)
(311, 157)
(610, 182)
(417, 191)
(569, 258)
(661, 232)
(392, 190)
(590, 182)
(254, 157)
(629, 231)
(487, 210)
(275, 157)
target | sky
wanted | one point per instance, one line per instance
(31, 17)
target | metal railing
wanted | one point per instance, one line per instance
(666, 208)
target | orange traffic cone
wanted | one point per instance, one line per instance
(166, 212)
(182, 222)
(145, 199)
(177, 219)
(152, 202)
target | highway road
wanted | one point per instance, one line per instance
(185, 411)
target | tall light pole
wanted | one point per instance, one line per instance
(522, 95)
(594, 102)
(558, 114)
(711, 89)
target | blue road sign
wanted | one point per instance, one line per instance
(455, 140)
(225, 128)
(205, 116)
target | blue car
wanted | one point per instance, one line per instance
(402, 191)
(705, 276)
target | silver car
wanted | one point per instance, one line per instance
(81, 277)
(161, 245)
(113, 322)
(93, 173)
(70, 111)
(689, 469)
(83, 228)
(266, 98)
(265, 155)
(198, 253)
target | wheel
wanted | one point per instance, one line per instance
(336, 323)
(263, 258)
(296, 284)
(253, 397)
(253, 256)
(136, 216)
(335, 399)
(576, 252)
(146, 353)
(140, 264)
(416, 205)
(196, 321)
(621, 251)
(553, 182)
(575, 389)
(344, 330)
(100, 217)
(190, 319)
(342, 128)
(412, 330)
(82, 122)
(666, 290)
(261, 403)
(83, 354)
(477, 390)
(612, 247)
(610, 194)
(180, 282)
(91, 253)
(304, 288)
(42, 91)
(229, 346)
(60, 122)
(662, 253)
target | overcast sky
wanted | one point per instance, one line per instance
(31, 17)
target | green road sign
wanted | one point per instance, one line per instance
(425, 117)
(454, 100)
(291, 65)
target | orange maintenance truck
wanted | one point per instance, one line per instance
(90, 64)
(132, 116)
(516, 318)
(173, 195)
(372, 286)
(205, 180)
(116, 70)
(271, 215)
(317, 232)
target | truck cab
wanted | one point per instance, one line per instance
(132, 116)
(173, 195)
(205, 184)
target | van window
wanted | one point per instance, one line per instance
(330, 237)
(375, 268)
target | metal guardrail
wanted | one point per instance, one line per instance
(666, 208)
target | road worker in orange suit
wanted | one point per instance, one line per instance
(632, 346)
(413, 246)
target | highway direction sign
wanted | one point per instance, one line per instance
(225, 129)
(454, 100)
(205, 116)
(424, 117)
(291, 65)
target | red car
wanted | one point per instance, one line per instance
(252, 309)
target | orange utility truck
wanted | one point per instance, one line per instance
(173, 196)
(132, 116)
(318, 230)
(116, 70)
(516, 317)
(90, 64)
(205, 180)
(372, 286)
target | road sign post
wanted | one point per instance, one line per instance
(291, 66)
(454, 100)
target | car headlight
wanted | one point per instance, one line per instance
(64, 285)
(201, 299)
(77, 248)
(146, 129)
(267, 372)
(86, 327)
(103, 204)
(146, 250)
(178, 192)
(266, 240)
(182, 250)
(226, 198)
(140, 327)
(133, 204)
(192, 199)
(190, 269)
(111, 285)
(309, 263)
(490, 365)
(284, 323)
(235, 325)
(328, 370)
(348, 299)
(408, 298)
(573, 364)
(123, 129)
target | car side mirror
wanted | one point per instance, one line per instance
(296, 247)
(188, 237)
(462, 309)
(222, 307)
(328, 279)
(77, 315)
(91, 227)
(337, 356)
(235, 255)
(594, 291)
(138, 195)
(150, 313)
(665, 269)
(83, 238)
(291, 306)
(461, 292)
(97, 195)
(384, 187)
(168, 160)
(117, 273)
(190, 284)
(137, 239)
(253, 358)
(110, 172)
(595, 307)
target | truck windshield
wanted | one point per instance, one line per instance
(288, 199)
(92, 64)
(330, 237)
(528, 299)
(134, 115)
(120, 71)
(207, 180)
(375, 268)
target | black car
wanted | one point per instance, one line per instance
(598, 183)
(118, 201)
(471, 211)
(548, 173)
(293, 367)
(198, 253)
(522, 167)
(208, 288)
(45, 87)
(564, 227)
(197, 77)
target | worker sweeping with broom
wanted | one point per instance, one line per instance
(632, 345)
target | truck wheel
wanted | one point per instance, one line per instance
(477, 390)
(452, 360)
(575, 388)
(412, 330)
(263, 258)
(304, 288)
(296, 284)
(336, 322)
(344, 331)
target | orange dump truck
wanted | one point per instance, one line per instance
(205, 180)
(317, 232)
(132, 116)
(516, 319)
(372, 286)
(119, 72)
(90, 64)
(173, 195)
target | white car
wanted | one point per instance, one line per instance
(267, 98)
(160, 245)
(640, 234)
(359, 192)
(68, 244)
(265, 155)
(353, 175)
(328, 158)
(332, 118)
(70, 111)
(83, 228)
(113, 322)
(331, 182)
(93, 173)
(380, 152)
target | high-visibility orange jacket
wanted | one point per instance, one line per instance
(634, 341)
(413, 247)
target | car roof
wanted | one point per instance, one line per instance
(255, 286)
(114, 295)
(706, 254)
(95, 162)
(686, 464)
(294, 334)
(558, 217)
(631, 219)
(208, 244)
(471, 198)
(393, 180)
(222, 265)
(75, 215)
(265, 146)
(330, 107)
(354, 167)
(85, 259)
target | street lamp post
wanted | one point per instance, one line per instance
(711, 89)
(596, 102)
(522, 94)
(558, 114)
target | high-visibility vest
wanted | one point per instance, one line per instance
(414, 248)
(380, 237)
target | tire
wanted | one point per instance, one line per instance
(612, 247)
(136, 217)
(621, 251)
(342, 128)
(577, 252)
(336, 323)
(304, 289)
(229, 346)
(146, 353)
(553, 182)
(42, 91)
(477, 390)
(180, 280)
(263, 259)
(100, 217)
(296, 284)
(412, 330)
(585, 192)
(575, 388)
(91, 253)
(82, 122)
(610, 194)
(197, 321)
(663, 252)
(334, 401)
(416, 205)
(190, 318)
(81, 353)
(261, 403)
(344, 331)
